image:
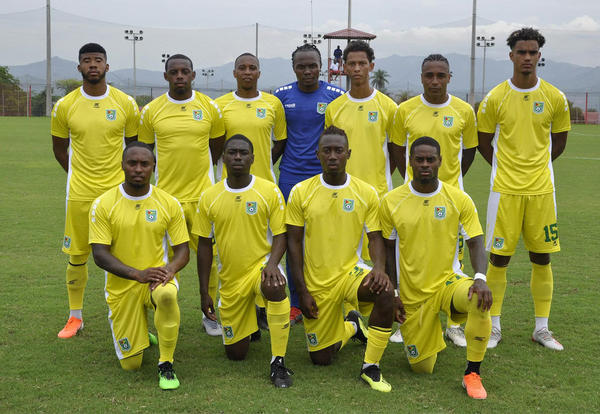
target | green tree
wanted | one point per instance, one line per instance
(379, 79)
(142, 100)
(6, 78)
(68, 85)
(403, 96)
(576, 112)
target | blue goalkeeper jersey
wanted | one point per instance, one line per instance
(305, 117)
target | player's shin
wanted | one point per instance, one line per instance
(378, 340)
(496, 281)
(166, 320)
(278, 317)
(542, 284)
(77, 276)
(478, 326)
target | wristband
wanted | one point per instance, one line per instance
(480, 276)
(396, 293)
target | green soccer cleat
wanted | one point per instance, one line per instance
(152, 338)
(167, 380)
(372, 376)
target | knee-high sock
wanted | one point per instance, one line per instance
(166, 320)
(496, 280)
(542, 284)
(478, 326)
(278, 317)
(133, 362)
(77, 276)
(424, 366)
(450, 322)
(349, 331)
(378, 340)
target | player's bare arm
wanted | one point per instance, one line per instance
(271, 274)
(204, 262)
(216, 148)
(468, 155)
(107, 261)
(277, 150)
(479, 264)
(399, 156)
(390, 260)
(60, 147)
(377, 280)
(485, 145)
(559, 142)
(308, 306)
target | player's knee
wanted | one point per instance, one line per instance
(132, 363)
(425, 366)
(541, 259)
(165, 296)
(236, 352)
(498, 260)
(78, 259)
(323, 356)
(385, 301)
(273, 293)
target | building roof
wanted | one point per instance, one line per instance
(349, 34)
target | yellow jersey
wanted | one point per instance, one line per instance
(137, 229)
(261, 120)
(181, 131)
(452, 124)
(522, 120)
(425, 228)
(242, 221)
(96, 126)
(368, 124)
(334, 218)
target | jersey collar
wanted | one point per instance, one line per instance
(239, 98)
(239, 190)
(132, 198)
(175, 101)
(368, 98)
(85, 95)
(513, 87)
(335, 187)
(418, 194)
(442, 105)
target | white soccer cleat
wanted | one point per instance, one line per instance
(457, 335)
(397, 337)
(544, 337)
(212, 328)
(495, 338)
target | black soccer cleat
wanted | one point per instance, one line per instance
(280, 375)
(361, 335)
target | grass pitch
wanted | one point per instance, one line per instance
(44, 374)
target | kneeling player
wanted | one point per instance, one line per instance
(246, 216)
(420, 221)
(326, 216)
(130, 226)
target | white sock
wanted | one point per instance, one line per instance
(496, 322)
(76, 313)
(366, 365)
(541, 323)
(454, 326)
(355, 326)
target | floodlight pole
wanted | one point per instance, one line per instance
(48, 62)
(471, 97)
(134, 37)
(207, 73)
(484, 43)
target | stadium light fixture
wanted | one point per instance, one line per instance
(207, 73)
(542, 62)
(484, 42)
(134, 37)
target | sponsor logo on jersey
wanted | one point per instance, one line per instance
(372, 116)
(228, 331)
(151, 216)
(290, 105)
(448, 121)
(183, 109)
(538, 107)
(348, 205)
(412, 351)
(197, 114)
(321, 107)
(439, 212)
(67, 242)
(96, 105)
(498, 242)
(435, 113)
(261, 112)
(312, 339)
(251, 207)
(111, 114)
(124, 344)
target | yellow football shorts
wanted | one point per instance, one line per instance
(532, 215)
(328, 328)
(422, 330)
(77, 223)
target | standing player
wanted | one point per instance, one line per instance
(130, 228)
(326, 217)
(523, 127)
(420, 222)
(187, 129)
(88, 127)
(304, 102)
(255, 114)
(244, 204)
(451, 121)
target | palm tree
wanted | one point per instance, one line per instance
(379, 79)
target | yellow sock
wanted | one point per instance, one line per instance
(542, 284)
(424, 366)
(349, 332)
(278, 316)
(450, 322)
(166, 320)
(77, 276)
(378, 340)
(133, 362)
(478, 326)
(496, 280)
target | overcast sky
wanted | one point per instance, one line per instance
(216, 32)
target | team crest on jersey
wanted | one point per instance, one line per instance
(348, 205)
(111, 114)
(448, 121)
(498, 242)
(372, 116)
(321, 107)
(261, 112)
(228, 332)
(312, 339)
(412, 351)
(67, 242)
(151, 216)
(439, 212)
(197, 114)
(538, 107)
(251, 207)
(124, 344)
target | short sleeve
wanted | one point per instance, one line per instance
(177, 229)
(398, 132)
(99, 221)
(132, 118)
(390, 114)
(202, 226)
(469, 218)
(280, 127)
(486, 115)
(561, 121)
(469, 134)
(328, 116)
(146, 130)
(387, 226)
(294, 215)
(58, 124)
(277, 212)
(217, 128)
(372, 221)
